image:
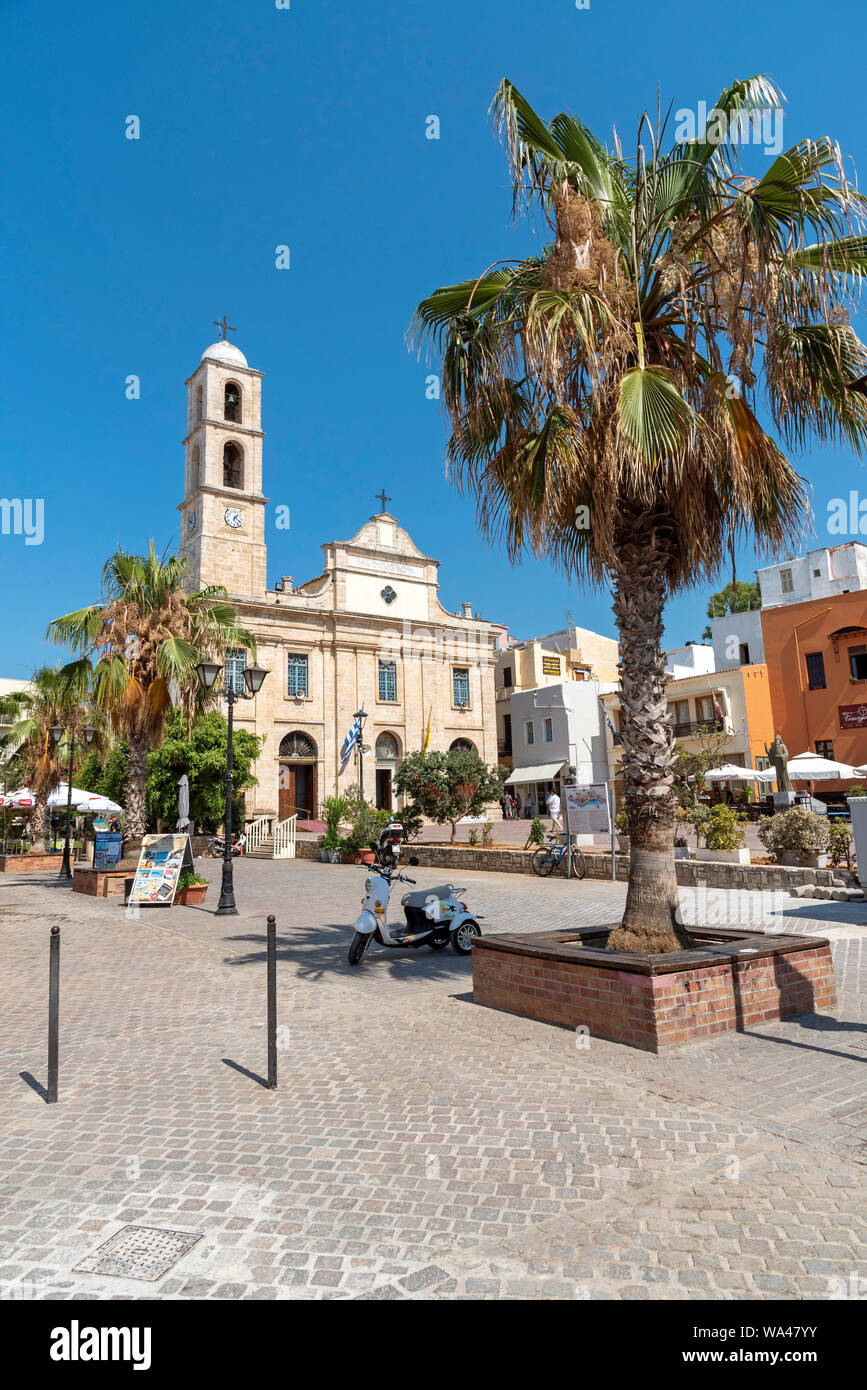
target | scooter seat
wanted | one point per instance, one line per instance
(418, 899)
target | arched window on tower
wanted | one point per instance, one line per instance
(233, 465)
(194, 479)
(199, 406)
(232, 402)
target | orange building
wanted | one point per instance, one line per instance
(816, 655)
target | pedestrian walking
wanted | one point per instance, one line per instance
(552, 802)
(517, 808)
(507, 806)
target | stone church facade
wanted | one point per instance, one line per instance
(369, 631)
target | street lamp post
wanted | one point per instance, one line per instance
(88, 734)
(208, 671)
(360, 715)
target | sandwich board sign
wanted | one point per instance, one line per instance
(162, 860)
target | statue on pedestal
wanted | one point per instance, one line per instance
(778, 754)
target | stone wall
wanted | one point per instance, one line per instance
(689, 873)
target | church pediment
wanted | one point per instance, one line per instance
(380, 537)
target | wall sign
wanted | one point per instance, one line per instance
(853, 716)
(162, 860)
(550, 665)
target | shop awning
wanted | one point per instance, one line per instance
(542, 772)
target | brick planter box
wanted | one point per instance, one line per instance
(732, 980)
(27, 863)
(102, 883)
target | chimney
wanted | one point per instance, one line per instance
(466, 610)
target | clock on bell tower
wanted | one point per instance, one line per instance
(223, 511)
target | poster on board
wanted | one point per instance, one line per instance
(587, 808)
(107, 848)
(162, 860)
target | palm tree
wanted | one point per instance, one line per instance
(50, 698)
(143, 641)
(603, 395)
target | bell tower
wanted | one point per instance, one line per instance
(223, 511)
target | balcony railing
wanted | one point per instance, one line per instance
(693, 726)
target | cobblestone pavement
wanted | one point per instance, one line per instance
(417, 1146)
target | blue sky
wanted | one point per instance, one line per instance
(306, 127)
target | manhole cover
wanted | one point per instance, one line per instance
(139, 1252)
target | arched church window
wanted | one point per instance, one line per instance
(297, 745)
(199, 406)
(233, 465)
(387, 748)
(462, 745)
(195, 467)
(232, 402)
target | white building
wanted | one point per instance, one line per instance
(737, 640)
(553, 728)
(692, 660)
(835, 569)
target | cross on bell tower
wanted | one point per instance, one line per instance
(224, 327)
(382, 498)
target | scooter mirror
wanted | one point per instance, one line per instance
(413, 861)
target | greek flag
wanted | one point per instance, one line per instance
(352, 738)
(610, 725)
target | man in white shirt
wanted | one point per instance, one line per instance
(552, 801)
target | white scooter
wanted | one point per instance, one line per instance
(435, 917)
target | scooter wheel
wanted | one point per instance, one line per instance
(357, 947)
(464, 936)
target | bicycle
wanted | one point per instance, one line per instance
(549, 856)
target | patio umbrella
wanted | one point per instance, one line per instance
(810, 767)
(183, 802)
(23, 799)
(81, 801)
(730, 772)
(99, 805)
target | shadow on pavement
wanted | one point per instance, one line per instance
(315, 957)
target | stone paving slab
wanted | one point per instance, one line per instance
(417, 1146)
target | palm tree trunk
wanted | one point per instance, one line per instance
(650, 923)
(38, 822)
(135, 808)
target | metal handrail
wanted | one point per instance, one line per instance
(285, 834)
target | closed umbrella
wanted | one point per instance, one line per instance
(183, 802)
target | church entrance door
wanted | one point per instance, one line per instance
(383, 788)
(297, 790)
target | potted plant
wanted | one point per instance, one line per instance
(725, 834)
(796, 836)
(358, 845)
(621, 826)
(191, 889)
(335, 809)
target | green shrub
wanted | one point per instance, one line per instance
(798, 831)
(726, 828)
(473, 837)
(621, 822)
(334, 809)
(537, 833)
(487, 834)
(840, 842)
(189, 880)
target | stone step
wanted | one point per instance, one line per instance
(265, 850)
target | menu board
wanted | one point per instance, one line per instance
(107, 848)
(587, 808)
(162, 860)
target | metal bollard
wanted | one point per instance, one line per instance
(272, 1002)
(53, 1013)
